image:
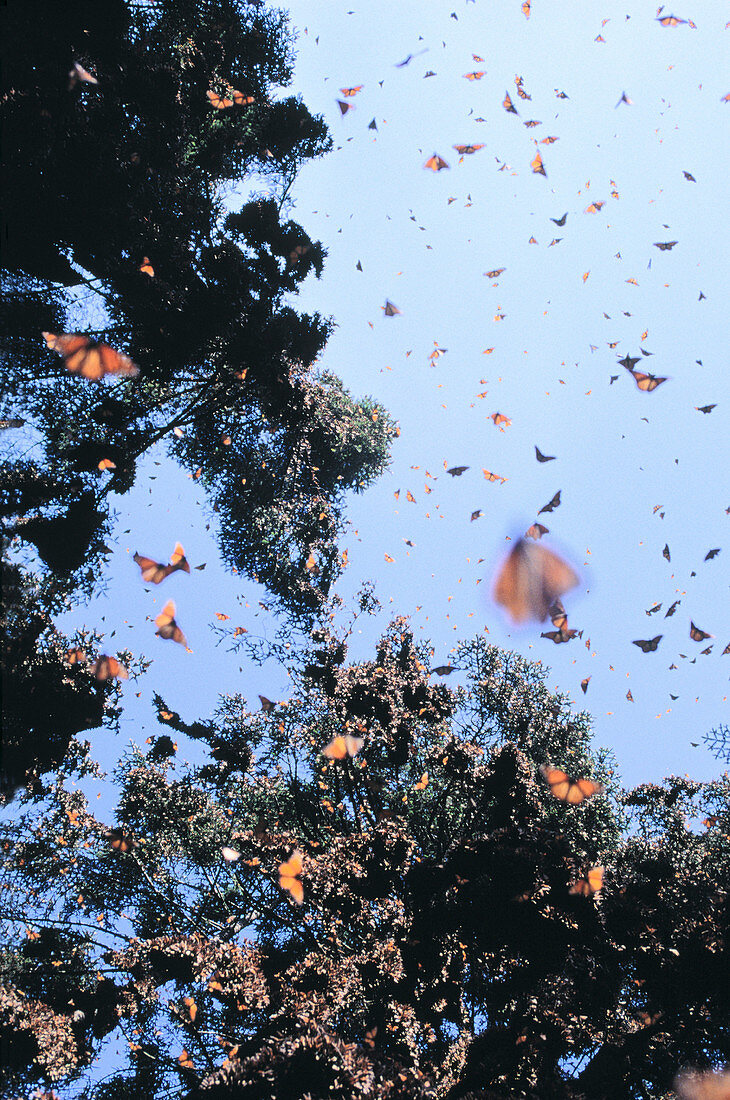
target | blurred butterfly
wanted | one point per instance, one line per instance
(665, 246)
(390, 310)
(565, 788)
(560, 221)
(536, 531)
(456, 471)
(167, 628)
(79, 73)
(537, 165)
(475, 515)
(493, 477)
(153, 572)
(646, 382)
(120, 841)
(347, 92)
(467, 150)
(541, 457)
(108, 668)
(221, 103)
(344, 107)
(91, 359)
(696, 1085)
(343, 746)
(289, 873)
(648, 646)
(146, 267)
(584, 684)
(474, 76)
(589, 885)
(508, 104)
(494, 274)
(230, 855)
(552, 504)
(531, 122)
(705, 408)
(712, 553)
(500, 418)
(14, 422)
(76, 656)
(443, 670)
(436, 163)
(594, 207)
(530, 580)
(526, 8)
(698, 635)
(267, 705)
(670, 20)
(689, 176)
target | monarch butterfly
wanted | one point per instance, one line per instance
(493, 477)
(589, 885)
(289, 873)
(594, 207)
(526, 8)
(90, 358)
(343, 746)
(475, 76)
(475, 515)
(345, 107)
(494, 274)
(120, 841)
(108, 668)
(167, 628)
(146, 267)
(665, 246)
(696, 634)
(155, 573)
(436, 163)
(443, 670)
(500, 418)
(530, 580)
(457, 471)
(520, 90)
(549, 140)
(648, 645)
(536, 531)
(79, 73)
(221, 103)
(508, 104)
(76, 656)
(646, 382)
(390, 310)
(551, 504)
(348, 92)
(467, 150)
(106, 464)
(531, 122)
(703, 1086)
(562, 634)
(267, 705)
(670, 20)
(541, 457)
(584, 684)
(705, 409)
(566, 789)
(536, 164)
(230, 855)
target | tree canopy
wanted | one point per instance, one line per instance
(149, 209)
(445, 944)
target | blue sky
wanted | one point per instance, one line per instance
(619, 452)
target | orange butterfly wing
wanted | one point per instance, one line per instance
(289, 873)
(530, 579)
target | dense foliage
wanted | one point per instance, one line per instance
(143, 215)
(438, 951)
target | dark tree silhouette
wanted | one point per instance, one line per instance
(438, 951)
(143, 215)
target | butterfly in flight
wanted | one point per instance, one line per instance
(90, 358)
(390, 310)
(342, 746)
(167, 627)
(696, 634)
(289, 879)
(589, 885)
(537, 165)
(79, 74)
(467, 150)
(560, 221)
(109, 668)
(665, 246)
(456, 471)
(646, 382)
(670, 20)
(648, 645)
(436, 163)
(536, 531)
(541, 457)
(551, 504)
(119, 840)
(509, 105)
(154, 572)
(567, 789)
(530, 580)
